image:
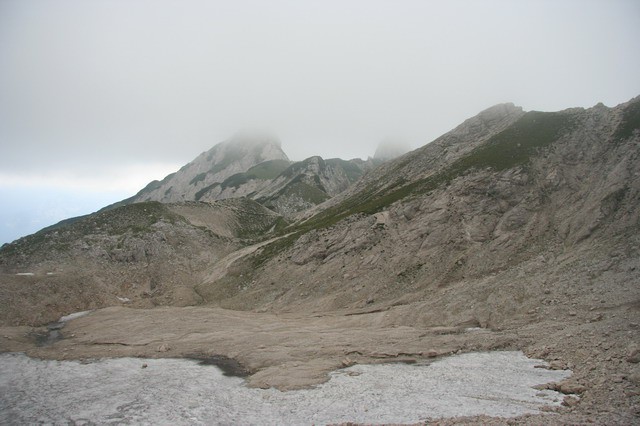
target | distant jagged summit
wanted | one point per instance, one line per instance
(251, 164)
(389, 149)
(237, 154)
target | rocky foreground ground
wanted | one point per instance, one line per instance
(292, 351)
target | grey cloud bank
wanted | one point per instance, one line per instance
(92, 90)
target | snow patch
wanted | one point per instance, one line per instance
(74, 316)
(180, 392)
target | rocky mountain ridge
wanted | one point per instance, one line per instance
(489, 189)
(523, 225)
(253, 165)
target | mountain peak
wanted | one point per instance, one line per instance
(242, 151)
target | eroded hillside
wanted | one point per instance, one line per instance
(142, 255)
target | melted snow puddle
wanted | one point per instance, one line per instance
(180, 391)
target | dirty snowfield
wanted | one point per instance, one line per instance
(180, 391)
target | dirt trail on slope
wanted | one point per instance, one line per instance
(221, 268)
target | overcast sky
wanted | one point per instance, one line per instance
(97, 98)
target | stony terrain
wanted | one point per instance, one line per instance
(521, 225)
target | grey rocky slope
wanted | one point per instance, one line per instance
(506, 190)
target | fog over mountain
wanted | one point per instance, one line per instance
(390, 149)
(99, 98)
